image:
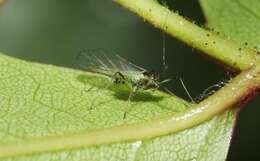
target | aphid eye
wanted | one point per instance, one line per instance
(146, 73)
(149, 74)
(145, 81)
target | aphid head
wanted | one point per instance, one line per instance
(148, 83)
(151, 75)
(150, 80)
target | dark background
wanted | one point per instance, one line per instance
(53, 32)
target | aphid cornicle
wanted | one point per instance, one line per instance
(119, 70)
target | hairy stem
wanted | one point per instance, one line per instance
(2, 2)
(225, 51)
(234, 92)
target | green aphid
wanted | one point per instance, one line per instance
(118, 70)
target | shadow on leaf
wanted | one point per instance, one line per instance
(121, 92)
(139, 96)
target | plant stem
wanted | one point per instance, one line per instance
(236, 91)
(225, 51)
(2, 2)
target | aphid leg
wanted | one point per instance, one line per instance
(119, 75)
(186, 91)
(118, 78)
(92, 88)
(89, 89)
(131, 94)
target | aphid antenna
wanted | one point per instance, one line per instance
(164, 81)
(167, 90)
(186, 90)
(165, 67)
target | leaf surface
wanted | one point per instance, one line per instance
(43, 100)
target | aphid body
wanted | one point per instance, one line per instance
(119, 70)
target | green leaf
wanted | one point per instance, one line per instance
(42, 100)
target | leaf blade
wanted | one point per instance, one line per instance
(45, 91)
